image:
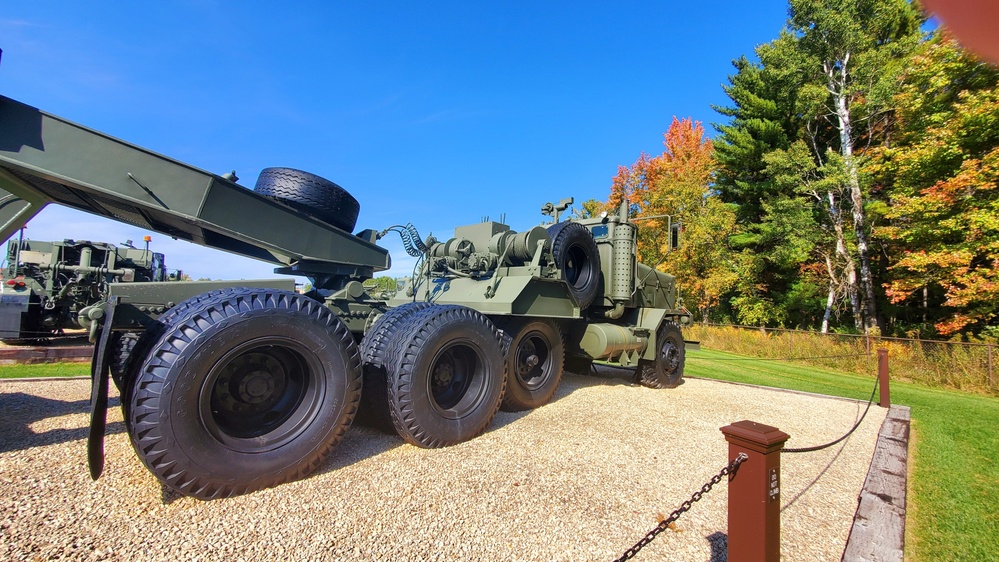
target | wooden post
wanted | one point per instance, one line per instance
(754, 492)
(883, 378)
(992, 380)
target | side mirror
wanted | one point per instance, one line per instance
(674, 235)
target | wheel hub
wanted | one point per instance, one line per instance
(528, 358)
(451, 375)
(251, 384)
(669, 357)
(255, 387)
(444, 372)
(532, 355)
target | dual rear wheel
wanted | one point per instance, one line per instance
(242, 389)
(436, 374)
(535, 361)
(444, 375)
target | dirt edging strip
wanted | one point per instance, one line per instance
(38, 354)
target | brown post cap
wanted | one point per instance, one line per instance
(756, 437)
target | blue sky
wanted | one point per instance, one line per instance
(435, 113)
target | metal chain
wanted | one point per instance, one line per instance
(847, 434)
(665, 523)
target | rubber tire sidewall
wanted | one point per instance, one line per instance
(518, 397)
(121, 350)
(654, 374)
(166, 401)
(566, 236)
(148, 338)
(374, 407)
(413, 412)
(311, 194)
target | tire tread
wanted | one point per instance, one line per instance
(200, 314)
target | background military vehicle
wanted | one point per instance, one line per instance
(46, 284)
(227, 389)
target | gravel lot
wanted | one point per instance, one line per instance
(582, 478)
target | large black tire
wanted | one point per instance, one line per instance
(446, 376)
(576, 255)
(244, 391)
(136, 355)
(374, 409)
(535, 356)
(667, 370)
(313, 195)
(121, 349)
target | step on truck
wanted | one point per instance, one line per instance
(230, 387)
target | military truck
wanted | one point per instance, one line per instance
(46, 284)
(231, 388)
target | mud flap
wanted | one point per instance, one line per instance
(100, 372)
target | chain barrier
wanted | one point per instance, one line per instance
(665, 523)
(847, 434)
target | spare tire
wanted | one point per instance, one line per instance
(577, 256)
(310, 194)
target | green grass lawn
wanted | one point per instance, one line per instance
(45, 370)
(953, 500)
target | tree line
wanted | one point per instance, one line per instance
(852, 186)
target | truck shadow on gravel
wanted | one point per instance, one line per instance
(601, 375)
(21, 411)
(364, 441)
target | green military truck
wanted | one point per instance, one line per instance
(229, 388)
(45, 285)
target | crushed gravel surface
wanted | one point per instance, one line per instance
(582, 478)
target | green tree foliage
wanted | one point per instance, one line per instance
(792, 158)
(853, 49)
(764, 116)
(589, 209)
(677, 186)
(382, 283)
(767, 116)
(853, 186)
(941, 175)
